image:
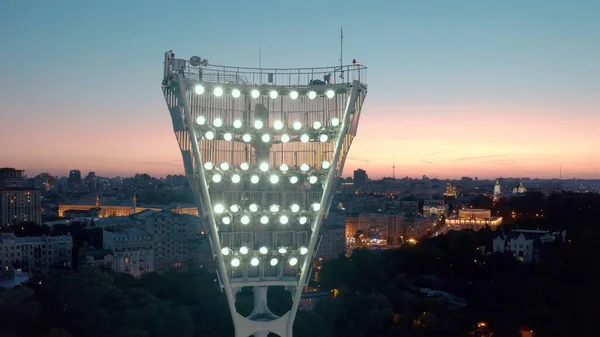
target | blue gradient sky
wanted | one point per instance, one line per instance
(486, 88)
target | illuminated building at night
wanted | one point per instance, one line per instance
(103, 211)
(263, 149)
(474, 219)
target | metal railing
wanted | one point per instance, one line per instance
(292, 77)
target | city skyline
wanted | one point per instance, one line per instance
(461, 89)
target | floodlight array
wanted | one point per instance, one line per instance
(263, 256)
(258, 92)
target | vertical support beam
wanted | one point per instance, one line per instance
(221, 267)
(324, 199)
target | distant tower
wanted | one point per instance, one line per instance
(497, 191)
(394, 167)
(97, 202)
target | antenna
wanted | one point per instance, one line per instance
(342, 53)
(259, 55)
(394, 167)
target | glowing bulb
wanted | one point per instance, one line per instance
(235, 262)
(323, 138)
(293, 179)
(273, 94)
(316, 206)
(237, 123)
(293, 94)
(218, 122)
(313, 179)
(244, 166)
(330, 93)
(254, 262)
(304, 167)
(284, 219)
(325, 165)
(274, 208)
(225, 251)
(302, 220)
(274, 179)
(304, 138)
(245, 220)
(273, 262)
(255, 93)
(295, 208)
(234, 208)
(264, 167)
(227, 136)
(236, 178)
(224, 166)
(208, 166)
(263, 250)
(335, 121)
(282, 250)
(216, 178)
(209, 135)
(258, 125)
(264, 219)
(297, 125)
(312, 94)
(265, 138)
(253, 208)
(303, 250)
(317, 125)
(235, 93)
(284, 168)
(198, 89)
(247, 138)
(219, 208)
(244, 250)
(278, 125)
(218, 91)
(293, 261)
(285, 138)
(201, 120)
(226, 220)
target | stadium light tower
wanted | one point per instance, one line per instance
(263, 150)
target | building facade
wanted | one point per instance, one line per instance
(20, 204)
(525, 245)
(35, 253)
(475, 219)
(132, 250)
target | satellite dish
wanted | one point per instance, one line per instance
(195, 61)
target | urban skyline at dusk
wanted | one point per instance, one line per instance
(455, 89)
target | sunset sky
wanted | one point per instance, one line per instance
(479, 88)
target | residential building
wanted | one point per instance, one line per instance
(35, 253)
(20, 204)
(132, 249)
(435, 207)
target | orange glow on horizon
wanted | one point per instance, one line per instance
(444, 141)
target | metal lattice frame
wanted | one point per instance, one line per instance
(263, 149)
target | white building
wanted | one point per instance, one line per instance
(33, 253)
(435, 207)
(525, 245)
(132, 250)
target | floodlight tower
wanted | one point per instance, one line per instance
(263, 150)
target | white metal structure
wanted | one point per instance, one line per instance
(263, 149)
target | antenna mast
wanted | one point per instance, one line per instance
(394, 167)
(342, 53)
